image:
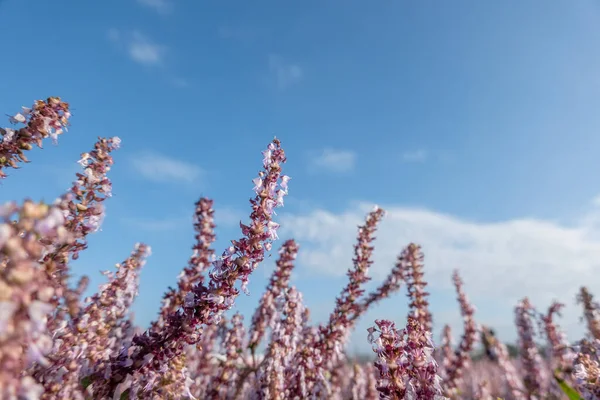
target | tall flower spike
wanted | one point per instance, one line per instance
(83, 210)
(497, 352)
(412, 262)
(446, 354)
(335, 333)
(266, 311)
(560, 355)
(45, 118)
(199, 262)
(175, 382)
(285, 337)
(326, 350)
(303, 372)
(530, 356)
(461, 359)
(143, 362)
(221, 386)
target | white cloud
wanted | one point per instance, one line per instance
(500, 262)
(160, 6)
(333, 160)
(284, 74)
(160, 168)
(142, 50)
(139, 47)
(415, 156)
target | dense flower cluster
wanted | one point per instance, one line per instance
(45, 118)
(405, 362)
(54, 344)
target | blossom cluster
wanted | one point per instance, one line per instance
(57, 344)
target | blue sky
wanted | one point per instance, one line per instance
(474, 123)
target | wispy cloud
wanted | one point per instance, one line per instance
(142, 50)
(160, 6)
(138, 46)
(332, 160)
(415, 156)
(161, 168)
(284, 74)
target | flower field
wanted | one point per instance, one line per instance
(56, 344)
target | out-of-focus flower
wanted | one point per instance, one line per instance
(591, 312)
(587, 369)
(25, 290)
(529, 353)
(461, 359)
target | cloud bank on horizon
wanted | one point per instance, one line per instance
(501, 262)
